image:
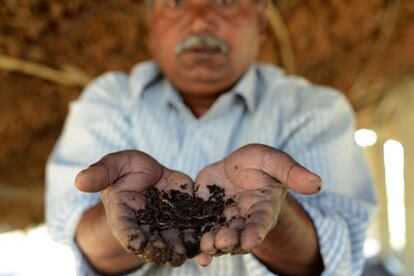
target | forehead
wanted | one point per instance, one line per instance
(149, 3)
(169, 14)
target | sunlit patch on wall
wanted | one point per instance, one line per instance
(394, 179)
(365, 137)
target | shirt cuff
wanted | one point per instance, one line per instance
(334, 245)
(83, 268)
(82, 265)
(334, 241)
(80, 205)
(255, 267)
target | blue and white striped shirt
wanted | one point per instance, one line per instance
(143, 111)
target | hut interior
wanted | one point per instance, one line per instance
(49, 50)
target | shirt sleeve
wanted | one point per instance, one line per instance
(322, 139)
(97, 124)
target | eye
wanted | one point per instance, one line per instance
(174, 3)
(226, 2)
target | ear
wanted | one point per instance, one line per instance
(149, 15)
(262, 19)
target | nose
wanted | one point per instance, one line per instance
(200, 14)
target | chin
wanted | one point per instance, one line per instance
(201, 78)
(204, 71)
(204, 86)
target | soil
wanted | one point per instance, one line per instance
(332, 41)
(183, 211)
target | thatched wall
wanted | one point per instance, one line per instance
(348, 44)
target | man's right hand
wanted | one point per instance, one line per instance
(121, 178)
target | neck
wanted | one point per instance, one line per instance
(199, 104)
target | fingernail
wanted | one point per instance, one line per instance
(220, 253)
(321, 186)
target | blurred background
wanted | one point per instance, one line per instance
(50, 49)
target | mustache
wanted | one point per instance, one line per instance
(208, 40)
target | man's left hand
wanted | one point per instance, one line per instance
(257, 178)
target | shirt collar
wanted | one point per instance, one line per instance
(245, 87)
(171, 95)
(142, 76)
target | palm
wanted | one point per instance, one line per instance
(257, 178)
(126, 176)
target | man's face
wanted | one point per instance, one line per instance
(204, 46)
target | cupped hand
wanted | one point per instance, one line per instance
(121, 178)
(257, 178)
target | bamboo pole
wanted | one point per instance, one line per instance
(282, 35)
(68, 76)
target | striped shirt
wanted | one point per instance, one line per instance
(143, 111)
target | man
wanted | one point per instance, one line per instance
(206, 112)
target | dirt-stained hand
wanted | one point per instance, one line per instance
(257, 178)
(121, 178)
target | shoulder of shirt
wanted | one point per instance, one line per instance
(117, 85)
(296, 90)
(108, 86)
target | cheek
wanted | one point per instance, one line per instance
(244, 44)
(162, 45)
(251, 39)
(242, 35)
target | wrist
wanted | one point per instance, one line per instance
(103, 252)
(296, 241)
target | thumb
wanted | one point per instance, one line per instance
(95, 178)
(114, 166)
(303, 181)
(291, 174)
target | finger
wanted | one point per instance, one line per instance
(252, 236)
(156, 251)
(207, 242)
(226, 239)
(207, 177)
(286, 170)
(230, 212)
(133, 200)
(116, 165)
(190, 243)
(135, 241)
(203, 259)
(262, 217)
(238, 250)
(123, 225)
(175, 180)
(236, 223)
(246, 199)
(178, 253)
